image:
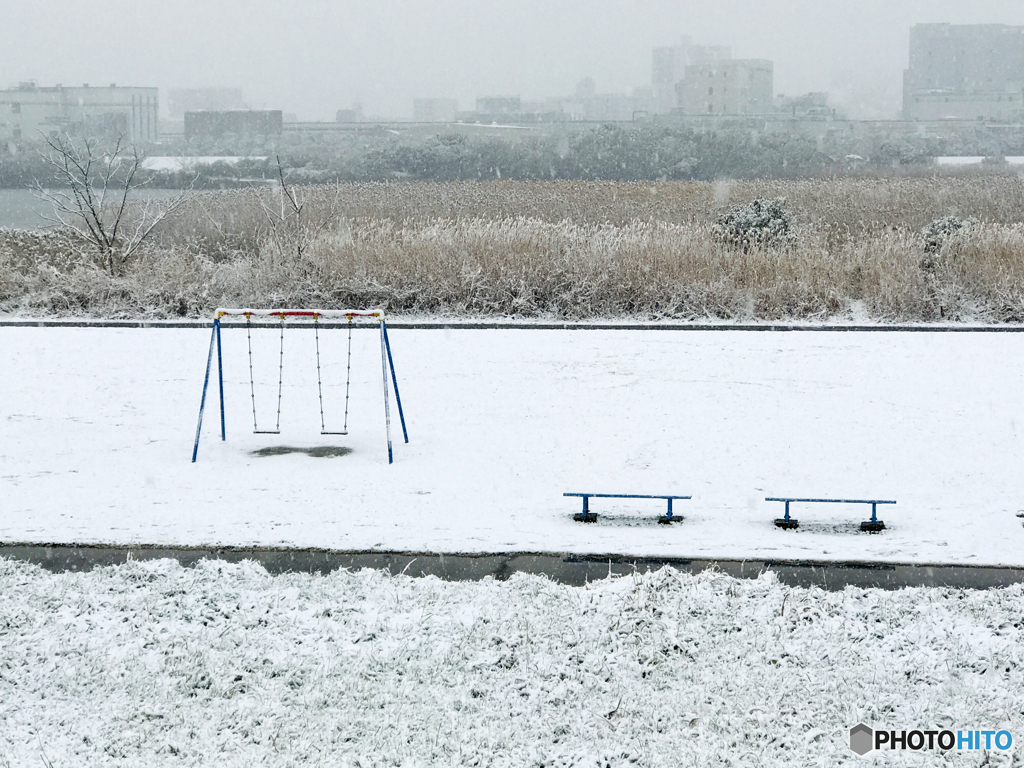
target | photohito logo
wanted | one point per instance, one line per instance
(864, 739)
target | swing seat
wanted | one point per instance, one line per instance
(328, 432)
(266, 431)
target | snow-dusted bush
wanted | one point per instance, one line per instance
(762, 221)
(936, 233)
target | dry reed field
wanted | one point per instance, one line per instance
(556, 250)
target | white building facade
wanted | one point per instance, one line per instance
(29, 112)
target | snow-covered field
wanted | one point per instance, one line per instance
(97, 428)
(150, 664)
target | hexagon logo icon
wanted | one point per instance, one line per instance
(861, 739)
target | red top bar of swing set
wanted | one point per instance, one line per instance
(377, 314)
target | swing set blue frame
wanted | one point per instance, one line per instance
(387, 363)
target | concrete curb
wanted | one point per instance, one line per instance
(573, 569)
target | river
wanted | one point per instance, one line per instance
(22, 209)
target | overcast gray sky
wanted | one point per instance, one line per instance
(313, 57)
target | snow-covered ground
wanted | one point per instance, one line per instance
(97, 428)
(154, 664)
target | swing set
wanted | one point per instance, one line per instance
(387, 365)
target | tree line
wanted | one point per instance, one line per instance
(612, 152)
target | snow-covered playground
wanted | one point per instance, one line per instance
(98, 425)
(220, 664)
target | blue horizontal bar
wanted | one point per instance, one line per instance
(625, 496)
(833, 501)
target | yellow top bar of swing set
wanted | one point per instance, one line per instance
(315, 314)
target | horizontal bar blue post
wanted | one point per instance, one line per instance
(667, 496)
(831, 501)
(627, 495)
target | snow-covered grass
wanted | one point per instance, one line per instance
(155, 664)
(532, 268)
(566, 250)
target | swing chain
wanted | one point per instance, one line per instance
(280, 377)
(319, 378)
(252, 384)
(319, 386)
(252, 378)
(348, 372)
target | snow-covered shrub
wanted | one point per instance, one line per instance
(762, 221)
(935, 235)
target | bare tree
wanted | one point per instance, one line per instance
(291, 226)
(90, 198)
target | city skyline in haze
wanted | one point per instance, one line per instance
(313, 58)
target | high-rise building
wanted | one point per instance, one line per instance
(965, 72)
(728, 87)
(668, 68)
(234, 122)
(499, 105)
(29, 112)
(353, 114)
(434, 110)
(668, 63)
